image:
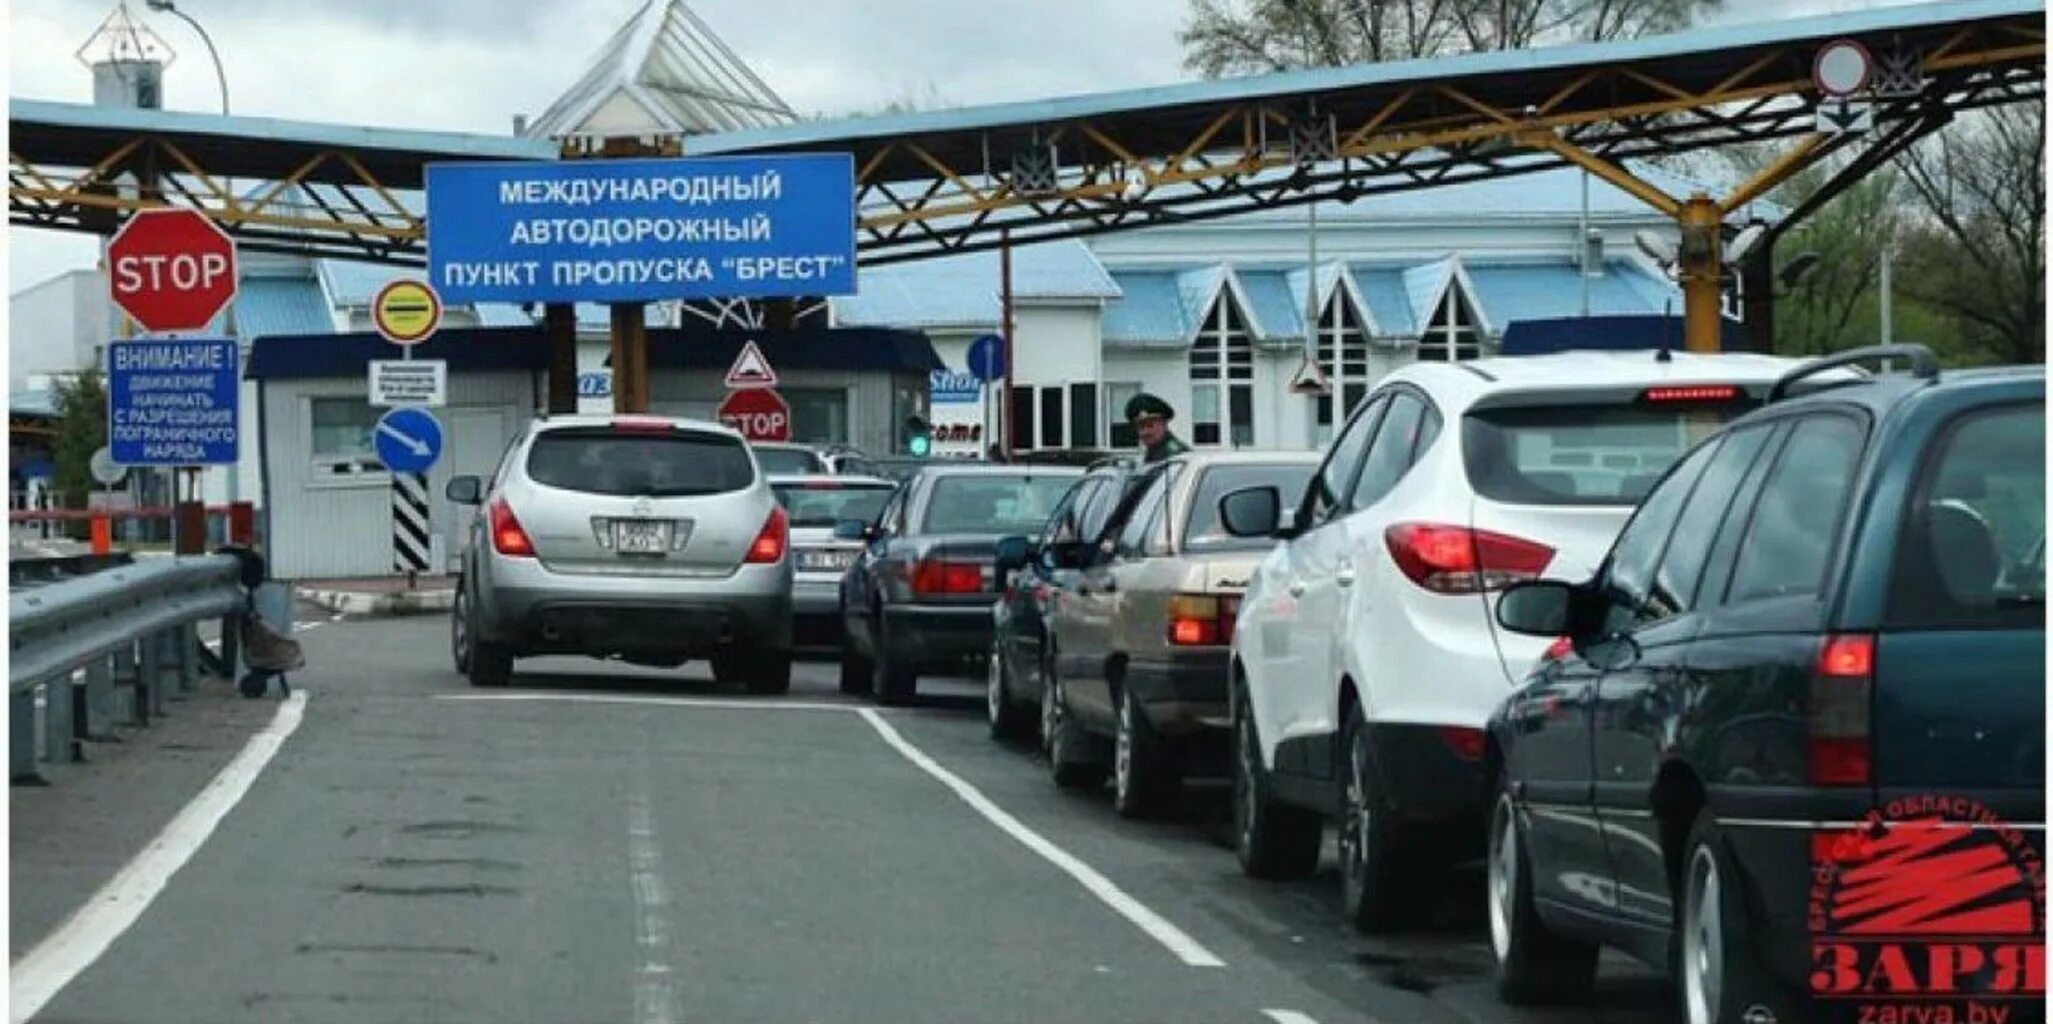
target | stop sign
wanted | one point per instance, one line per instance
(172, 270)
(759, 413)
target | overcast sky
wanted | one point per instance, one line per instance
(470, 65)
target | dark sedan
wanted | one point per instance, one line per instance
(919, 597)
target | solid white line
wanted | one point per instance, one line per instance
(37, 977)
(1158, 928)
(683, 702)
(655, 994)
(1289, 1017)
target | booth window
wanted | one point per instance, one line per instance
(342, 427)
(818, 415)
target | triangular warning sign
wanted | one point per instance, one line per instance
(1310, 379)
(750, 369)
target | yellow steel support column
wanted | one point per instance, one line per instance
(1702, 269)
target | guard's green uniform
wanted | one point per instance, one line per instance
(1170, 445)
(1145, 404)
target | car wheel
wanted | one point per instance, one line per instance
(1070, 762)
(1273, 840)
(490, 664)
(892, 681)
(1371, 864)
(1006, 720)
(1051, 712)
(758, 671)
(855, 669)
(459, 630)
(1534, 963)
(1719, 981)
(1144, 770)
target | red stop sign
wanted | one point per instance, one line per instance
(759, 413)
(172, 270)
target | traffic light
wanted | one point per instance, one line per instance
(919, 437)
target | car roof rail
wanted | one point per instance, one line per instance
(1923, 365)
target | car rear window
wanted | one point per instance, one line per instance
(1582, 454)
(824, 503)
(1973, 550)
(1203, 531)
(665, 464)
(789, 461)
(994, 503)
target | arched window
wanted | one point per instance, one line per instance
(1222, 379)
(1454, 333)
(1344, 357)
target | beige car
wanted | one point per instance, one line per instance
(1139, 646)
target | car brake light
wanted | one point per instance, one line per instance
(1459, 560)
(1693, 393)
(1202, 620)
(769, 543)
(1838, 751)
(1466, 743)
(940, 576)
(641, 425)
(507, 536)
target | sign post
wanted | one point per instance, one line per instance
(408, 441)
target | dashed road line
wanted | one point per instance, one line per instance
(1289, 1017)
(655, 991)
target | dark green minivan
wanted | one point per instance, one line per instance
(1789, 744)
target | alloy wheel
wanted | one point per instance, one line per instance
(1244, 766)
(1356, 820)
(994, 688)
(1703, 961)
(1503, 883)
(1122, 753)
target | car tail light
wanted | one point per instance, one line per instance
(641, 425)
(1561, 648)
(1691, 393)
(508, 538)
(941, 576)
(1466, 743)
(770, 542)
(1838, 751)
(1459, 560)
(1202, 620)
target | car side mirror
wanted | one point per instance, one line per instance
(465, 490)
(1013, 554)
(1538, 608)
(1252, 512)
(1069, 554)
(851, 529)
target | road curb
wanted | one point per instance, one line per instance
(358, 605)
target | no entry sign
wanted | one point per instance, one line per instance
(759, 413)
(171, 270)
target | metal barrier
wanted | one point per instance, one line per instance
(78, 645)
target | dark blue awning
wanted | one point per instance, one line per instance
(1608, 333)
(842, 349)
(467, 349)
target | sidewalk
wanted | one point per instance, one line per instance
(379, 596)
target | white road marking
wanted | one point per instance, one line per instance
(301, 627)
(655, 994)
(1157, 927)
(683, 702)
(43, 972)
(1288, 1017)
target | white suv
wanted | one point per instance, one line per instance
(1366, 660)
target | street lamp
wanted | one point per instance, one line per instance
(220, 76)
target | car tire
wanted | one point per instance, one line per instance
(1070, 758)
(855, 668)
(459, 630)
(1535, 964)
(1718, 978)
(1145, 776)
(1273, 840)
(764, 673)
(1372, 863)
(491, 664)
(892, 681)
(1007, 721)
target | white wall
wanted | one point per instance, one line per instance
(57, 327)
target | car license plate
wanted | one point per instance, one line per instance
(641, 536)
(825, 561)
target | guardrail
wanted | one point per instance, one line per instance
(80, 645)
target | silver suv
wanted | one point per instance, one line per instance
(640, 538)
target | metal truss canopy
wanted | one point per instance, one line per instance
(959, 180)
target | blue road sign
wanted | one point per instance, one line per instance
(173, 401)
(408, 440)
(987, 358)
(642, 230)
(949, 387)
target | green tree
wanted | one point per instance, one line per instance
(81, 430)
(1836, 305)
(1225, 37)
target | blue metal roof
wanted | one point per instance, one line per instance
(441, 145)
(1508, 293)
(280, 305)
(963, 290)
(1149, 311)
(1383, 291)
(502, 314)
(1277, 308)
(350, 283)
(828, 134)
(1424, 283)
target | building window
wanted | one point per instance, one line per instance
(342, 428)
(1056, 416)
(1222, 375)
(1453, 334)
(1116, 397)
(1083, 415)
(1344, 357)
(818, 415)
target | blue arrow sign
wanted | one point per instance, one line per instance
(408, 440)
(987, 358)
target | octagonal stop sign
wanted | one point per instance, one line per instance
(759, 413)
(172, 270)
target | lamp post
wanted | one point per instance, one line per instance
(220, 76)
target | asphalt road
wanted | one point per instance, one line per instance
(602, 843)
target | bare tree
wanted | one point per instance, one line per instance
(1975, 247)
(1833, 306)
(1225, 37)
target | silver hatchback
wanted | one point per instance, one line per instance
(640, 538)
